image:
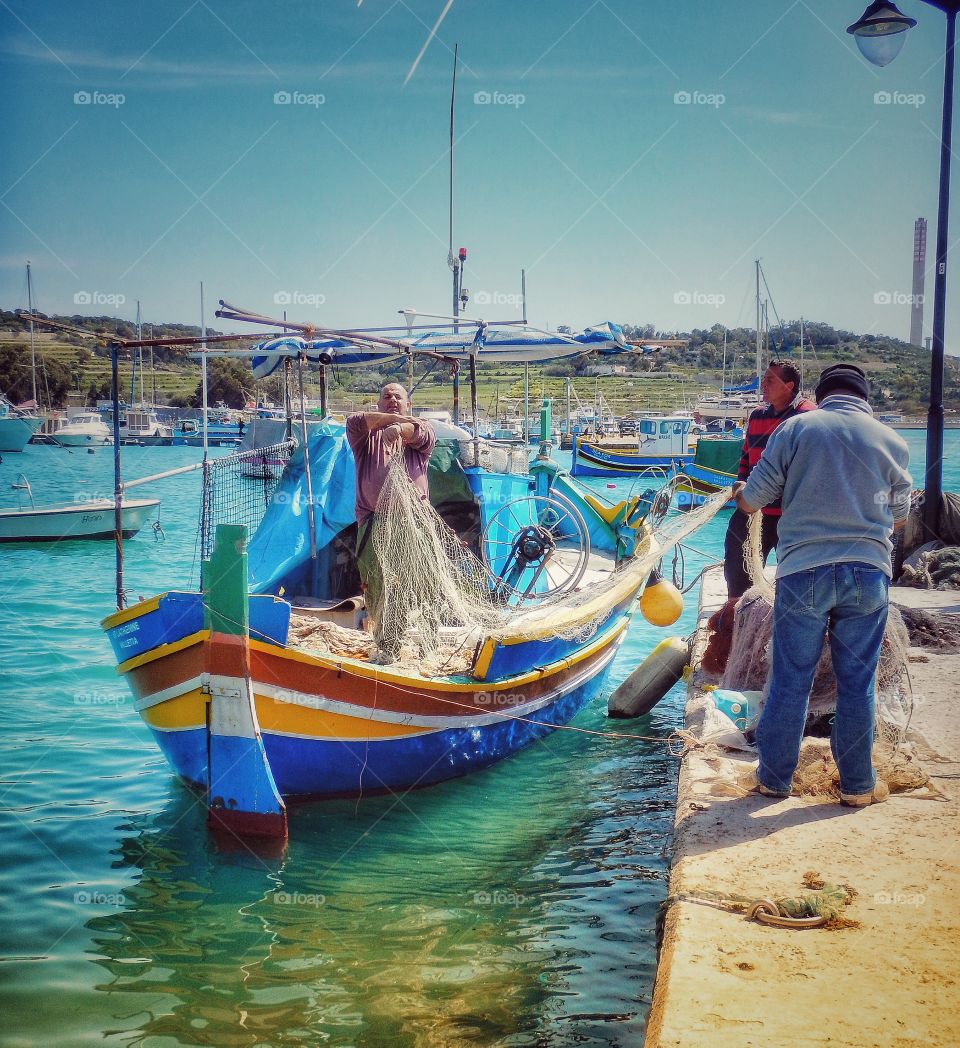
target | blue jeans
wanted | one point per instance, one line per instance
(849, 602)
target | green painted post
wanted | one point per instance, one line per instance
(224, 582)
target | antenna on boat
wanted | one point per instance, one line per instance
(204, 395)
(759, 336)
(33, 348)
(523, 293)
(452, 262)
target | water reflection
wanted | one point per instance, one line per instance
(509, 907)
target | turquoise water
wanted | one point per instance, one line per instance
(513, 907)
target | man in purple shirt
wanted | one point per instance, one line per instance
(376, 438)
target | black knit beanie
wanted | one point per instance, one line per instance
(842, 378)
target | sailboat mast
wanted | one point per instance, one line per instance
(33, 347)
(759, 335)
(140, 354)
(801, 355)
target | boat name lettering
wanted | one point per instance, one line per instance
(90, 518)
(129, 627)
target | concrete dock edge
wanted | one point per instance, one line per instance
(891, 978)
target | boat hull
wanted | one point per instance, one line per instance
(593, 460)
(338, 726)
(696, 485)
(93, 520)
(15, 433)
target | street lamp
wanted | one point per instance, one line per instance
(880, 34)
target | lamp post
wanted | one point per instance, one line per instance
(880, 34)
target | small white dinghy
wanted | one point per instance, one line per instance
(82, 520)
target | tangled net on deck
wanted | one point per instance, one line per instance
(439, 600)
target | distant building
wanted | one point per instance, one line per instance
(919, 266)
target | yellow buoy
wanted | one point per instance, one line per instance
(661, 603)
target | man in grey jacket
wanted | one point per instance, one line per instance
(843, 479)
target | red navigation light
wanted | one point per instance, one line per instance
(463, 254)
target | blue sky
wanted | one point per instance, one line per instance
(633, 158)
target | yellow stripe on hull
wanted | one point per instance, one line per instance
(289, 719)
(185, 711)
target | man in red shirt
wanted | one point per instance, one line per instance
(780, 388)
(376, 438)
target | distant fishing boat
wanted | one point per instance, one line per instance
(221, 430)
(83, 520)
(143, 426)
(714, 467)
(662, 444)
(16, 426)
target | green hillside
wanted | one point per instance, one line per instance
(671, 378)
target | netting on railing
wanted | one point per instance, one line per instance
(238, 488)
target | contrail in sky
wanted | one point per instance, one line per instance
(433, 33)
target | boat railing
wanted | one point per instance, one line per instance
(22, 484)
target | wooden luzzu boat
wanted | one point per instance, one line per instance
(661, 446)
(259, 688)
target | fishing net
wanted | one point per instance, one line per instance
(439, 600)
(493, 456)
(748, 669)
(237, 489)
(436, 594)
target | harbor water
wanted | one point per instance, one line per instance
(513, 907)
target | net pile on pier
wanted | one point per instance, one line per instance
(748, 669)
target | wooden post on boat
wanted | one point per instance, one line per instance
(243, 798)
(117, 477)
(311, 518)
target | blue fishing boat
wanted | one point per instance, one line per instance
(661, 446)
(714, 467)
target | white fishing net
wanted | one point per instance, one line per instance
(495, 457)
(438, 598)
